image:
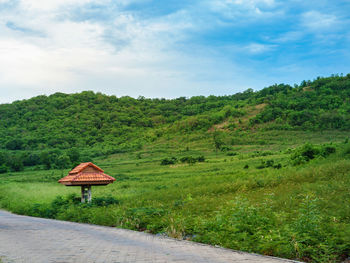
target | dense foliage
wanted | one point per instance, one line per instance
(321, 104)
(39, 131)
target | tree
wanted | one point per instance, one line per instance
(74, 155)
(63, 161)
(45, 159)
(14, 144)
(218, 142)
(3, 169)
(15, 163)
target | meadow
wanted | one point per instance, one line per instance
(252, 196)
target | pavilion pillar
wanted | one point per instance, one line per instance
(89, 193)
(83, 193)
(86, 193)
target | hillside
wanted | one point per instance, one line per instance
(39, 131)
(265, 172)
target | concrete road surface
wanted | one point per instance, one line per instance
(38, 240)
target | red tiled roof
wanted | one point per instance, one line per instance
(82, 166)
(90, 177)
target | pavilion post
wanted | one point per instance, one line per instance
(89, 193)
(86, 193)
(83, 193)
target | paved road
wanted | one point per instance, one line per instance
(38, 240)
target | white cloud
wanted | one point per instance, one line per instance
(252, 3)
(256, 48)
(49, 5)
(129, 53)
(290, 36)
(317, 21)
(71, 56)
(246, 10)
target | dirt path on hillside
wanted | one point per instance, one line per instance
(37, 240)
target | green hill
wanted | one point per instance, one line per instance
(265, 171)
(39, 131)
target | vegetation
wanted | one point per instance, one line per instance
(46, 132)
(265, 172)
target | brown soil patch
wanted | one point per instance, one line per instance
(251, 112)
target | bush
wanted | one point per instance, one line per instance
(3, 169)
(187, 159)
(58, 207)
(269, 163)
(14, 144)
(243, 225)
(347, 149)
(258, 153)
(62, 162)
(277, 166)
(225, 148)
(104, 201)
(200, 158)
(327, 150)
(144, 218)
(15, 163)
(168, 161)
(308, 152)
(192, 160)
(304, 154)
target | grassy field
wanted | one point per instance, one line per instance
(249, 197)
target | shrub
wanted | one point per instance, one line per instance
(60, 205)
(201, 158)
(269, 163)
(327, 150)
(143, 218)
(304, 154)
(278, 166)
(3, 169)
(187, 159)
(225, 148)
(62, 162)
(191, 159)
(168, 161)
(258, 153)
(104, 201)
(236, 224)
(308, 152)
(347, 149)
(15, 163)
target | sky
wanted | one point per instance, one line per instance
(168, 48)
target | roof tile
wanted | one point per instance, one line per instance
(77, 175)
(82, 166)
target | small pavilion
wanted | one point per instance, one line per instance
(86, 175)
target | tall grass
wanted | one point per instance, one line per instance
(299, 212)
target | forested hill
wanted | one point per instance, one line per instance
(44, 127)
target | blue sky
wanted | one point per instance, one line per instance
(168, 48)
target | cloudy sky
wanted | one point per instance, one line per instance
(168, 48)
